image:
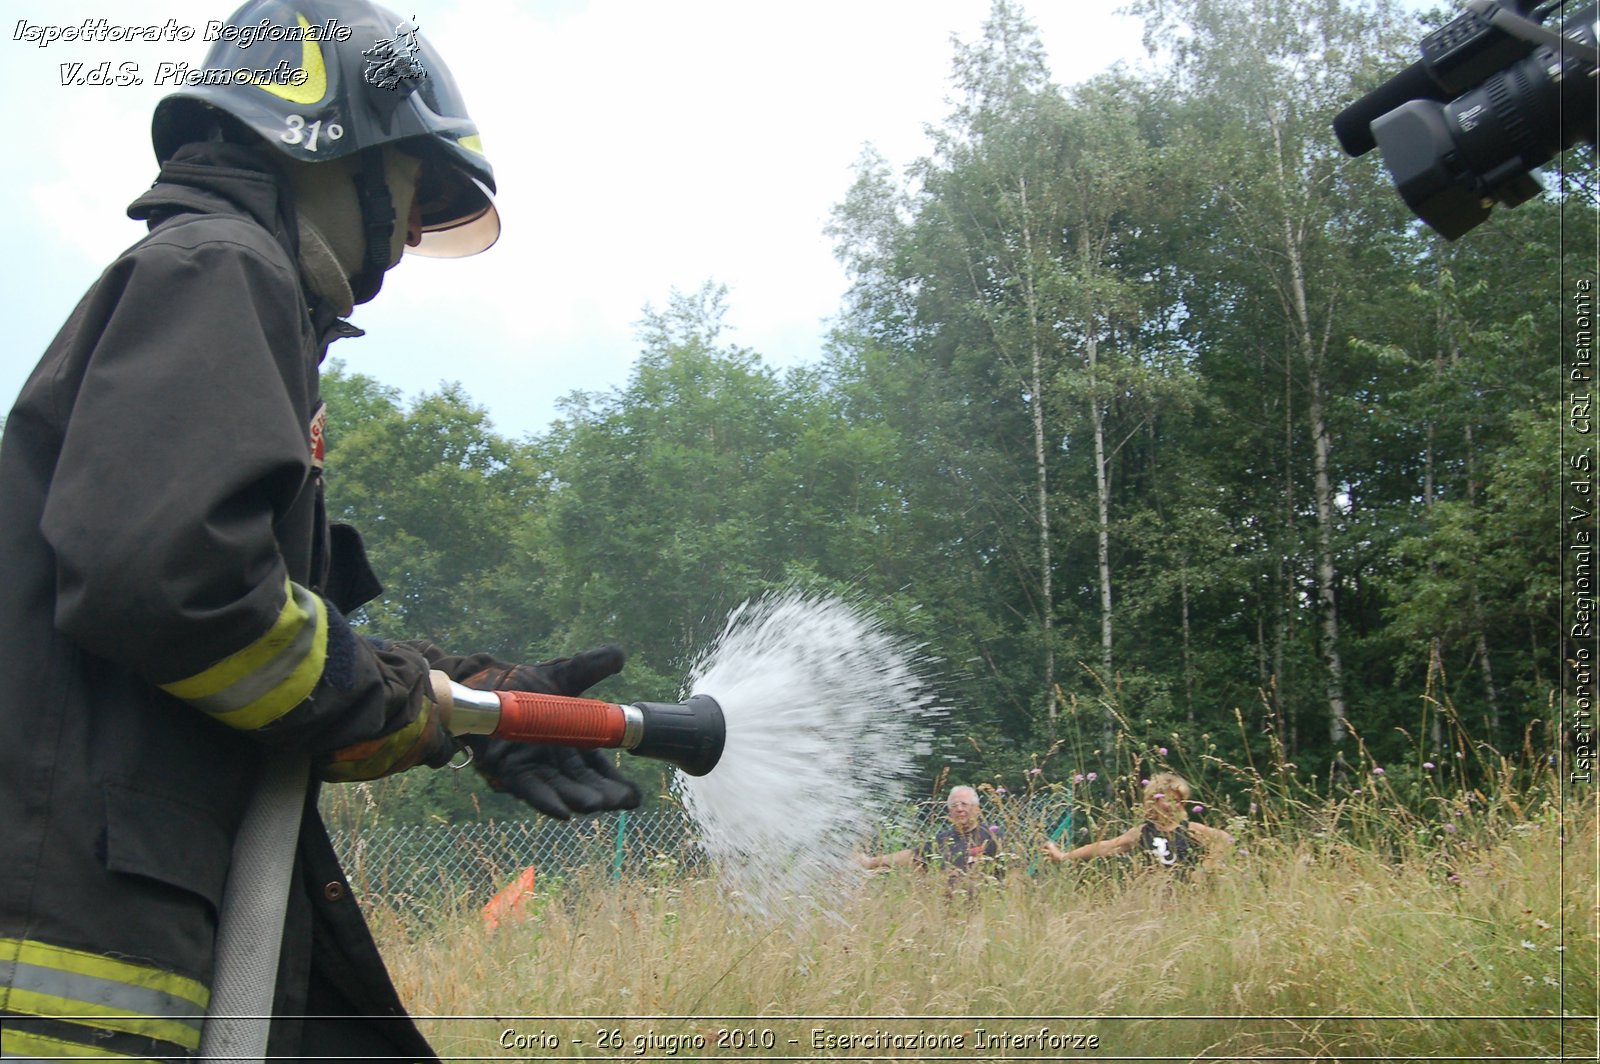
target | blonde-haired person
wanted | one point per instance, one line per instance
(1166, 836)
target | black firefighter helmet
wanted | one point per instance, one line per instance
(318, 80)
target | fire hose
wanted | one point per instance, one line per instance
(688, 734)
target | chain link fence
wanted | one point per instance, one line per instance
(419, 863)
(417, 866)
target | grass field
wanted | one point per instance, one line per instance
(1420, 920)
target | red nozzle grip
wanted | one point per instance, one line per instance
(530, 717)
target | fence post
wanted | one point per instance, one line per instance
(1063, 827)
(616, 860)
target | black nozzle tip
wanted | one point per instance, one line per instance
(688, 734)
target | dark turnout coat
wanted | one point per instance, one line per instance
(170, 610)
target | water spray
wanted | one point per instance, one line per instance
(821, 711)
(689, 734)
(827, 711)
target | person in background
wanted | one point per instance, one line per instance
(1166, 837)
(967, 845)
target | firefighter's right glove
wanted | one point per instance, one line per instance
(558, 781)
(425, 741)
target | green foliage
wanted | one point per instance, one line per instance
(440, 499)
(1468, 553)
(1138, 385)
(702, 483)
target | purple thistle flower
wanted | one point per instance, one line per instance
(1429, 765)
(1093, 776)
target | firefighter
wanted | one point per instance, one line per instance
(175, 599)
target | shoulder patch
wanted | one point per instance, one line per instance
(319, 425)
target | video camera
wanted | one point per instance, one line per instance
(1495, 94)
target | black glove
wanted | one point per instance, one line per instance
(558, 781)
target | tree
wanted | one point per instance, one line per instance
(1000, 281)
(992, 200)
(703, 482)
(440, 498)
(1263, 81)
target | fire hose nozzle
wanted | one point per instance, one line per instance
(688, 734)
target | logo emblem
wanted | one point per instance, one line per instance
(395, 60)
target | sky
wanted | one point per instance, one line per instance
(640, 147)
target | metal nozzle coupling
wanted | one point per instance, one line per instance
(472, 712)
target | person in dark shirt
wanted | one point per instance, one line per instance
(966, 845)
(1166, 837)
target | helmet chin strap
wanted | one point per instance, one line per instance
(377, 221)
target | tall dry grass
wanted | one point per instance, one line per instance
(1444, 908)
(1477, 943)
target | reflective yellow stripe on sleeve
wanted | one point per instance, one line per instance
(255, 686)
(100, 992)
(24, 1045)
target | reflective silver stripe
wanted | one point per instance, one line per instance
(92, 990)
(96, 993)
(257, 684)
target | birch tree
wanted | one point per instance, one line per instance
(1264, 79)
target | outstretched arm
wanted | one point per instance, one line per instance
(1215, 840)
(898, 859)
(1104, 848)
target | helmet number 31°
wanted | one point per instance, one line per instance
(298, 132)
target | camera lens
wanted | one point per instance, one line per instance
(1513, 116)
(1451, 162)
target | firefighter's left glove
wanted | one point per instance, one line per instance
(425, 741)
(558, 781)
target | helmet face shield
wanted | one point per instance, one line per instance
(458, 214)
(321, 79)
